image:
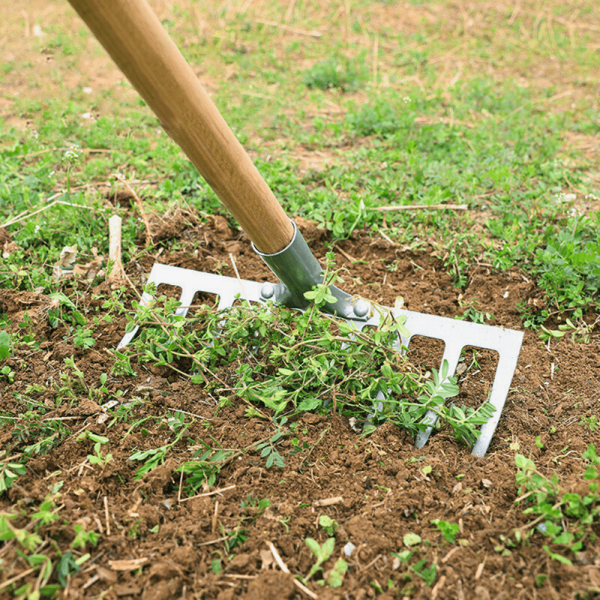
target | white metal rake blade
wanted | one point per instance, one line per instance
(454, 333)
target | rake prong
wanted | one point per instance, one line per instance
(452, 355)
(507, 363)
(458, 334)
(191, 282)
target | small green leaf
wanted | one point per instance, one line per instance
(4, 345)
(336, 575)
(411, 539)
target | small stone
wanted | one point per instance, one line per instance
(349, 548)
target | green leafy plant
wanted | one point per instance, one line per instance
(4, 345)
(83, 338)
(83, 537)
(565, 518)
(335, 577)
(9, 471)
(47, 562)
(269, 451)
(307, 361)
(336, 72)
(98, 458)
(154, 456)
(328, 524)
(420, 568)
(448, 530)
(205, 468)
(476, 316)
(589, 423)
(321, 552)
(411, 539)
(7, 372)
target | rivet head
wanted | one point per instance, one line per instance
(362, 308)
(267, 291)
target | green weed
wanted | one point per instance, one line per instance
(305, 361)
(48, 562)
(9, 471)
(98, 458)
(321, 553)
(336, 72)
(328, 524)
(448, 530)
(566, 519)
(420, 568)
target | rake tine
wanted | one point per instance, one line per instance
(452, 355)
(507, 364)
(458, 334)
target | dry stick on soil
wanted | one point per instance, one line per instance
(345, 254)
(140, 205)
(367, 566)
(91, 581)
(479, 571)
(214, 518)
(237, 273)
(16, 578)
(22, 217)
(328, 501)
(422, 207)
(375, 59)
(83, 150)
(208, 493)
(180, 484)
(450, 554)
(289, 12)
(114, 251)
(213, 541)
(106, 515)
(438, 587)
(284, 568)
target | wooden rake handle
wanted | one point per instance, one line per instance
(135, 39)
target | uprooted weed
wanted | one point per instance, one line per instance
(292, 362)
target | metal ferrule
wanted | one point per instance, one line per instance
(299, 271)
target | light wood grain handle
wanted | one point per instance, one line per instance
(133, 36)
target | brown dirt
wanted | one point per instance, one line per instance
(384, 492)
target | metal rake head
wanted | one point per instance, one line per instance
(455, 334)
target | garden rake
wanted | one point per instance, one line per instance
(135, 39)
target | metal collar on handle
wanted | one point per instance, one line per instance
(299, 271)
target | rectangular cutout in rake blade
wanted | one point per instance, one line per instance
(456, 335)
(191, 282)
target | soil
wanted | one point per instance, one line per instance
(374, 486)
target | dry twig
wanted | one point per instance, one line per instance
(24, 217)
(106, 515)
(140, 205)
(285, 569)
(422, 207)
(117, 273)
(208, 493)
